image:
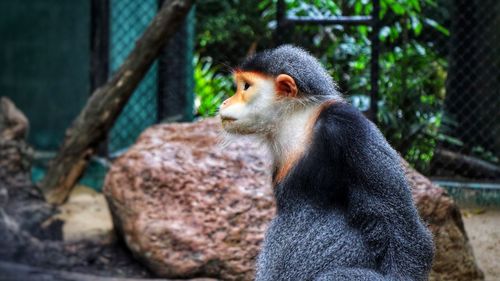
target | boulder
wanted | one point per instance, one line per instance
(22, 207)
(454, 258)
(188, 205)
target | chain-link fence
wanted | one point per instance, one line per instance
(438, 74)
(128, 19)
(460, 93)
(165, 91)
(470, 146)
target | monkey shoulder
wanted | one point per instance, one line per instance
(361, 163)
(346, 139)
(344, 126)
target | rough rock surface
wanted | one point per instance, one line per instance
(188, 207)
(454, 258)
(20, 202)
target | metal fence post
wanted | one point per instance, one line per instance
(175, 74)
(99, 52)
(374, 65)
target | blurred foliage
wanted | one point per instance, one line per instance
(210, 87)
(228, 30)
(412, 66)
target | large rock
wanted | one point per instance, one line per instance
(188, 206)
(15, 153)
(21, 204)
(453, 259)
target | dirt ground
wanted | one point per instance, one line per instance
(483, 228)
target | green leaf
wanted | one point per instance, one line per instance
(416, 5)
(437, 26)
(363, 30)
(416, 25)
(357, 8)
(384, 33)
(397, 8)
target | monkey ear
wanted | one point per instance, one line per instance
(285, 86)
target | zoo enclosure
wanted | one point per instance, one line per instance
(438, 82)
(442, 113)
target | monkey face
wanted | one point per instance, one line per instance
(257, 102)
(246, 111)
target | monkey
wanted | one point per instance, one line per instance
(344, 209)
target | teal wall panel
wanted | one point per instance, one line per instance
(44, 63)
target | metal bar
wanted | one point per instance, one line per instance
(374, 64)
(373, 20)
(160, 83)
(99, 36)
(99, 52)
(175, 84)
(281, 10)
(468, 185)
(340, 20)
(280, 21)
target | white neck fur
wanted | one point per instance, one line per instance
(291, 134)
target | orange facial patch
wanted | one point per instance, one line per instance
(242, 79)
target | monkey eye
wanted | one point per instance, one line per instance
(246, 86)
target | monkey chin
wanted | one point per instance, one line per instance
(232, 126)
(226, 123)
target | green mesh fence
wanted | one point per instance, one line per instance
(46, 70)
(128, 19)
(44, 63)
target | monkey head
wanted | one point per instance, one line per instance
(257, 98)
(269, 85)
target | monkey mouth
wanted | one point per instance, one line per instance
(227, 120)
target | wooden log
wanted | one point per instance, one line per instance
(16, 272)
(475, 166)
(106, 103)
